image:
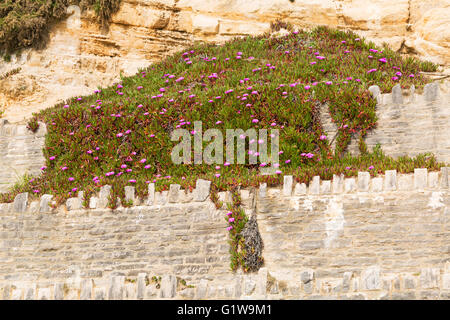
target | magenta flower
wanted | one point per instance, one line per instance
(71, 179)
(132, 181)
(217, 175)
(143, 160)
(371, 167)
(52, 158)
(64, 168)
(147, 166)
(231, 220)
(229, 228)
(322, 137)
(43, 168)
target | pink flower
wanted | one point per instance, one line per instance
(71, 179)
(147, 166)
(371, 167)
(229, 228)
(217, 175)
(322, 137)
(43, 168)
(52, 158)
(132, 181)
(231, 220)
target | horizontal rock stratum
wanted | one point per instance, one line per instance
(80, 57)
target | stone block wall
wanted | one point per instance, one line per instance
(383, 237)
(408, 123)
(20, 152)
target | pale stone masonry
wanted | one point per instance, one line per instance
(350, 238)
(408, 123)
(20, 152)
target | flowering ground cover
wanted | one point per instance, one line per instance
(120, 135)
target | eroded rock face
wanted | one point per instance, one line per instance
(80, 56)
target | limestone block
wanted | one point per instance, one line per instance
(429, 278)
(86, 289)
(390, 180)
(168, 286)
(370, 278)
(73, 204)
(287, 186)
(397, 95)
(363, 181)
(338, 183)
(104, 194)
(325, 187)
(420, 178)
(141, 286)
(44, 205)
(21, 202)
(314, 185)
(174, 193)
(115, 291)
(130, 194)
(151, 194)
(202, 190)
(433, 180)
(262, 190)
(93, 202)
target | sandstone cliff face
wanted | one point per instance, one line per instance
(80, 56)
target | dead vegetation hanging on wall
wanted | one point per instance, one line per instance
(26, 23)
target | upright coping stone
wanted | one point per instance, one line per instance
(20, 202)
(287, 186)
(390, 180)
(151, 194)
(376, 93)
(168, 286)
(262, 190)
(397, 95)
(44, 205)
(130, 194)
(174, 193)
(202, 190)
(103, 196)
(314, 185)
(363, 181)
(420, 178)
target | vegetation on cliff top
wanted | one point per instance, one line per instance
(120, 135)
(26, 23)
